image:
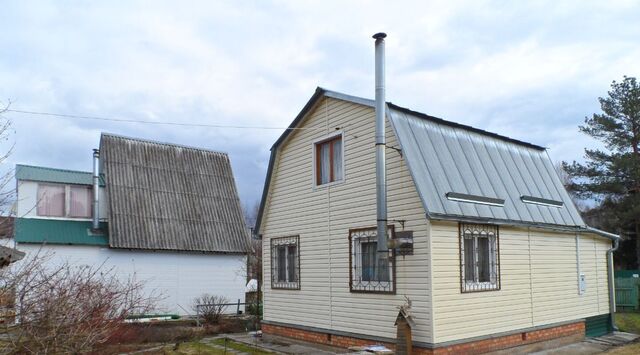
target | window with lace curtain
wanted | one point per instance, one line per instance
(58, 200)
(479, 257)
(329, 160)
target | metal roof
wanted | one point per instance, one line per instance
(171, 197)
(62, 176)
(54, 231)
(448, 158)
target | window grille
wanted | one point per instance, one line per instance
(479, 257)
(285, 263)
(367, 272)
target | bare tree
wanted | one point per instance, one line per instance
(60, 308)
(250, 211)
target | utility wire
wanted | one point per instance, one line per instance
(153, 122)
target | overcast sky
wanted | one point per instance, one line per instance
(530, 71)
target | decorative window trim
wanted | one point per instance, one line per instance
(316, 161)
(359, 286)
(494, 257)
(274, 244)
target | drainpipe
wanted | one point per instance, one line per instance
(96, 190)
(381, 175)
(612, 293)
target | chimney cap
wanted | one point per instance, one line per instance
(380, 35)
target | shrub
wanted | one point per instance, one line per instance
(210, 307)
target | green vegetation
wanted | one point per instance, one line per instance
(240, 347)
(193, 348)
(628, 322)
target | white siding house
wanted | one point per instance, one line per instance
(168, 215)
(453, 187)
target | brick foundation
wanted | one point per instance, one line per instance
(573, 331)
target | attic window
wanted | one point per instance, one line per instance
(541, 201)
(329, 164)
(482, 200)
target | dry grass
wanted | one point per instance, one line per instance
(631, 349)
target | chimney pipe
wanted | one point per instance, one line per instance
(381, 173)
(96, 189)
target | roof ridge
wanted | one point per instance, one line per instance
(56, 169)
(152, 141)
(369, 102)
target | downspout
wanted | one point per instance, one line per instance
(381, 175)
(612, 293)
(96, 190)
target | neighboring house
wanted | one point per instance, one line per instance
(168, 214)
(500, 257)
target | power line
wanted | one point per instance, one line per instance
(97, 118)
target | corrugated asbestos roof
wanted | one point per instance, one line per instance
(53, 231)
(62, 176)
(171, 197)
(463, 162)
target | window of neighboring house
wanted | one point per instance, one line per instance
(80, 201)
(57, 200)
(51, 200)
(368, 271)
(285, 263)
(328, 160)
(479, 257)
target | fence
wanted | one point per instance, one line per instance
(627, 284)
(224, 306)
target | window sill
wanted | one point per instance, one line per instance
(329, 184)
(471, 287)
(283, 286)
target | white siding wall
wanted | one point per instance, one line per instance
(177, 276)
(28, 200)
(539, 282)
(322, 217)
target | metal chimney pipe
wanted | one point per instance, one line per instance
(381, 142)
(96, 189)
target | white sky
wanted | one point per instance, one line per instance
(531, 71)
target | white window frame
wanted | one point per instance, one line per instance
(314, 156)
(67, 202)
(492, 234)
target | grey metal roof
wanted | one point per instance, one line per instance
(170, 197)
(446, 157)
(44, 174)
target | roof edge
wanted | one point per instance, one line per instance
(554, 227)
(144, 140)
(465, 127)
(56, 169)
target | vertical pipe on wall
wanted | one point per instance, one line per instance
(96, 189)
(381, 176)
(610, 276)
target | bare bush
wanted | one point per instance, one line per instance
(210, 307)
(66, 308)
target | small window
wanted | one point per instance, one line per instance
(80, 201)
(479, 257)
(51, 200)
(285, 263)
(328, 161)
(368, 272)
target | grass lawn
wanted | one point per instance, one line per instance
(628, 322)
(241, 347)
(197, 348)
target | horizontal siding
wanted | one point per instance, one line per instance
(539, 283)
(323, 216)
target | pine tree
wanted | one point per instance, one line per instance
(611, 177)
